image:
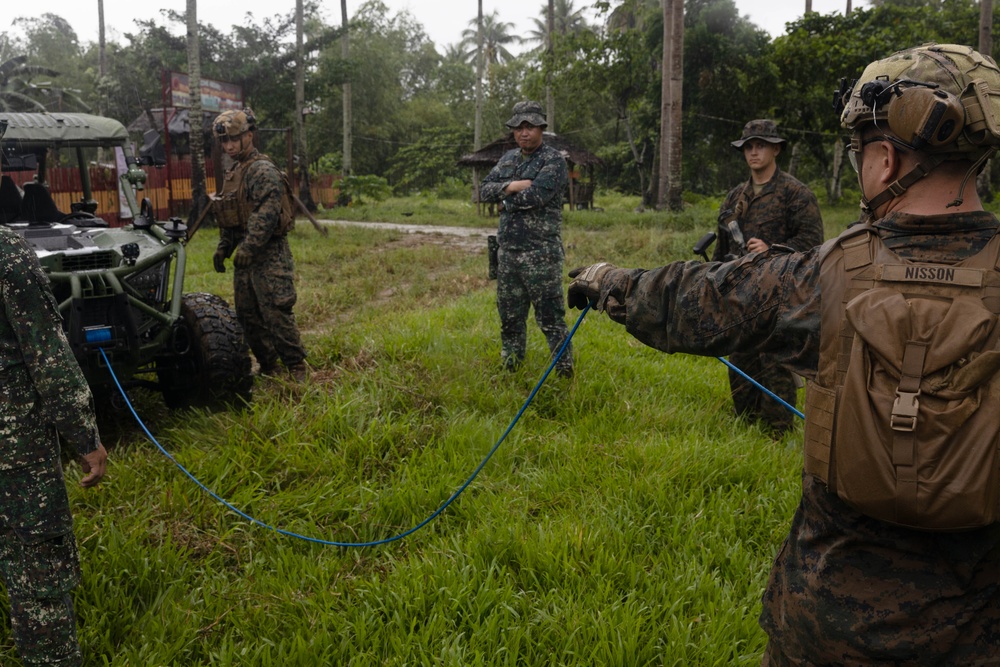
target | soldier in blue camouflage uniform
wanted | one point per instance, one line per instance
(771, 207)
(528, 183)
(249, 218)
(43, 398)
(847, 589)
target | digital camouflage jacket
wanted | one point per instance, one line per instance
(264, 188)
(845, 589)
(530, 219)
(41, 383)
(784, 212)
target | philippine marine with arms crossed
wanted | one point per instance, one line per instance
(528, 183)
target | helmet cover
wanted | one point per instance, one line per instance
(943, 99)
(233, 123)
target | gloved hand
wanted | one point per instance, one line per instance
(242, 259)
(219, 259)
(586, 286)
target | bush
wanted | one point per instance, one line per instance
(454, 188)
(368, 186)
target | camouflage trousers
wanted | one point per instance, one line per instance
(264, 295)
(751, 403)
(773, 657)
(531, 279)
(39, 563)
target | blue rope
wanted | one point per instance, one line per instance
(373, 543)
(762, 388)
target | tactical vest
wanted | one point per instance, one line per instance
(232, 208)
(225, 206)
(903, 417)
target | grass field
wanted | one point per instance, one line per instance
(627, 520)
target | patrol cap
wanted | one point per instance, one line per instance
(234, 123)
(761, 128)
(529, 112)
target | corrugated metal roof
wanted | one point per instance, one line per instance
(489, 155)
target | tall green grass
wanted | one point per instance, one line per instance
(627, 520)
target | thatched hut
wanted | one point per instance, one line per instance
(581, 165)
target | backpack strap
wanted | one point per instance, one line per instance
(903, 422)
(732, 224)
(241, 198)
(859, 256)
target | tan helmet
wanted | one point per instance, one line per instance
(234, 123)
(940, 99)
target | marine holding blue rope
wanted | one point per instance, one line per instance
(893, 556)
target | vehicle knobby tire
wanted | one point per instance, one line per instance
(214, 370)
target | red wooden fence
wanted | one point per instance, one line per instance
(66, 188)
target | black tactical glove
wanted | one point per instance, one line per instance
(219, 259)
(586, 286)
(243, 258)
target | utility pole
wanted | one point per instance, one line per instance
(345, 52)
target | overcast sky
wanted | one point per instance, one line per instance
(443, 20)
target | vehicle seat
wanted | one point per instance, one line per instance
(38, 206)
(10, 200)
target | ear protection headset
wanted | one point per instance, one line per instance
(921, 114)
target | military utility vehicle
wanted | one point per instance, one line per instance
(120, 289)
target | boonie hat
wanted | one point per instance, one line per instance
(527, 111)
(761, 128)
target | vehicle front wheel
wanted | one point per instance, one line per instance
(213, 369)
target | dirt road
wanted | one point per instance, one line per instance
(473, 237)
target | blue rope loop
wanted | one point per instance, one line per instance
(779, 399)
(373, 543)
(454, 496)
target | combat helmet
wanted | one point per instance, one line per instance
(233, 123)
(942, 100)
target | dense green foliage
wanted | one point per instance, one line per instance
(414, 103)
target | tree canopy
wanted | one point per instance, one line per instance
(413, 101)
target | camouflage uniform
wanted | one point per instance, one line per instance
(264, 290)
(845, 589)
(531, 251)
(42, 393)
(784, 212)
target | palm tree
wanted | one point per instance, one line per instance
(196, 139)
(567, 20)
(496, 38)
(632, 14)
(19, 93)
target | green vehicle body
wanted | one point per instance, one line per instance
(120, 290)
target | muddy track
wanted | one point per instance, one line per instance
(468, 237)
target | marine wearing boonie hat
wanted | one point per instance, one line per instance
(761, 128)
(527, 112)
